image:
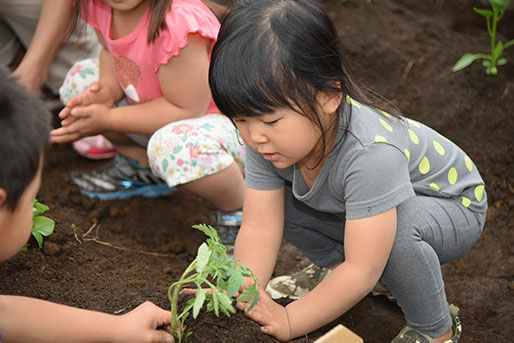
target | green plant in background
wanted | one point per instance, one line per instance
(217, 279)
(41, 225)
(493, 60)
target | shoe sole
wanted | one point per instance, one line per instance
(152, 191)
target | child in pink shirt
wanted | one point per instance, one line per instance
(152, 101)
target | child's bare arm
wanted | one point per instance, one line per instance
(185, 85)
(32, 320)
(184, 82)
(368, 242)
(50, 33)
(260, 236)
(367, 245)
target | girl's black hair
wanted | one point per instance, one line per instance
(273, 54)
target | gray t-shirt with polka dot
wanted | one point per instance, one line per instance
(380, 163)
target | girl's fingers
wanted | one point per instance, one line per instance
(65, 112)
(65, 138)
(241, 306)
(94, 87)
(187, 291)
(268, 330)
(67, 121)
(81, 112)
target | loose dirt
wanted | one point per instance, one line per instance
(110, 256)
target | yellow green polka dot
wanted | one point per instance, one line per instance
(434, 187)
(424, 166)
(380, 139)
(452, 176)
(466, 202)
(413, 137)
(416, 124)
(439, 148)
(352, 102)
(384, 113)
(468, 162)
(385, 124)
(407, 154)
(479, 192)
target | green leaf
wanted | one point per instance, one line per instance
(499, 5)
(202, 257)
(226, 304)
(43, 225)
(485, 13)
(247, 294)
(185, 312)
(208, 230)
(255, 299)
(38, 208)
(509, 43)
(199, 300)
(465, 61)
(486, 63)
(38, 238)
(215, 301)
(501, 61)
(235, 281)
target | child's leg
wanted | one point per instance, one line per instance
(201, 155)
(430, 231)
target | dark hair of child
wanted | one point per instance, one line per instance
(157, 18)
(24, 135)
(273, 54)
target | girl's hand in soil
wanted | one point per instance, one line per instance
(272, 317)
(140, 325)
(82, 122)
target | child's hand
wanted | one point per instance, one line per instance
(95, 93)
(140, 325)
(271, 316)
(82, 122)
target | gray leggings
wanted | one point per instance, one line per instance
(430, 232)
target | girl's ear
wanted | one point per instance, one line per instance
(3, 196)
(330, 102)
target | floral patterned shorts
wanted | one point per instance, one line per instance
(80, 75)
(190, 149)
(181, 151)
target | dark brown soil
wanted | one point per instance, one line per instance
(403, 49)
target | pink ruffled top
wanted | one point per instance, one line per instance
(135, 62)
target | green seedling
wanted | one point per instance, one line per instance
(492, 61)
(41, 225)
(217, 280)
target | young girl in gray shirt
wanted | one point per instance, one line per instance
(355, 186)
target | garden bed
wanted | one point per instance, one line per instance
(110, 256)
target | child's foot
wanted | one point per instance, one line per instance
(94, 147)
(298, 284)
(410, 335)
(121, 179)
(227, 224)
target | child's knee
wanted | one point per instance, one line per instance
(80, 75)
(181, 152)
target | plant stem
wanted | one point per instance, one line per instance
(493, 31)
(174, 298)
